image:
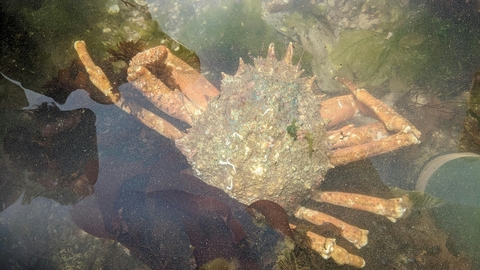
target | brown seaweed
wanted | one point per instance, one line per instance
(126, 50)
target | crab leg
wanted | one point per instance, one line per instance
(406, 134)
(95, 73)
(390, 208)
(350, 135)
(339, 109)
(353, 234)
(327, 247)
(176, 73)
(392, 120)
(151, 120)
(391, 143)
(100, 80)
(171, 102)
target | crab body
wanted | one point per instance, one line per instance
(262, 139)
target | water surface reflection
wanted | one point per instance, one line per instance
(86, 185)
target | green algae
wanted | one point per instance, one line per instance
(52, 28)
(227, 31)
(39, 38)
(424, 50)
(293, 129)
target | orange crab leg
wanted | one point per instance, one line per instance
(339, 254)
(327, 247)
(339, 109)
(349, 135)
(353, 234)
(95, 73)
(100, 80)
(176, 73)
(391, 143)
(392, 120)
(390, 208)
(171, 102)
(151, 120)
(378, 142)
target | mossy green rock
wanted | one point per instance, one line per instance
(424, 50)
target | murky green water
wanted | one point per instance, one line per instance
(85, 185)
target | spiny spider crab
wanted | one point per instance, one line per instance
(264, 136)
